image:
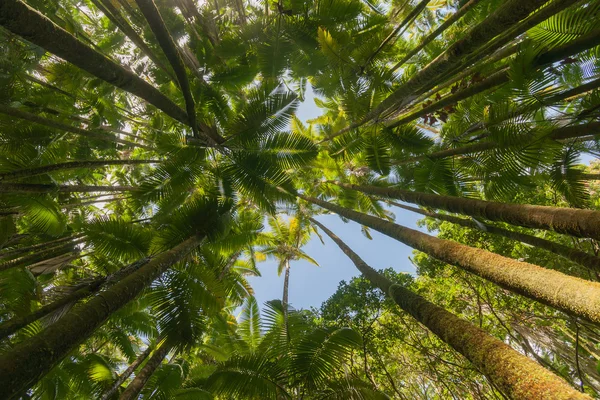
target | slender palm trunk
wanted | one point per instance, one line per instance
(286, 288)
(47, 188)
(513, 373)
(580, 257)
(568, 132)
(571, 221)
(126, 374)
(508, 14)
(11, 326)
(22, 20)
(431, 37)
(157, 25)
(24, 364)
(52, 243)
(566, 293)
(113, 14)
(29, 172)
(42, 255)
(104, 136)
(135, 387)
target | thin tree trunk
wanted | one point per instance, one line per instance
(571, 221)
(565, 133)
(126, 374)
(22, 20)
(591, 177)
(431, 37)
(28, 172)
(46, 254)
(48, 188)
(513, 373)
(116, 18)
(104, 136)
(169, 48)
(135, 387)
(566, 293)
(24, 364)
(286, 285)
(21, 250)
(13, 325)
(580, 257)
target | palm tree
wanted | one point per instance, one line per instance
(514, 373)
(284, 243)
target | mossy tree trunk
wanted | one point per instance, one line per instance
(126, 374)
(566, 293)
(580, 257)
(571, 221)
(513, 373)
(22, 20)
(24, 364)
(137, 384)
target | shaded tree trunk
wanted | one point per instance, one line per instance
(24, 364)
(126, 374)
(106, 137)
(22, 20)
(42, 255)
(431, 37)
(513, 373)
(48, 188)
(580, 257)
(286, 288)
(566, 293)
(13, 325)
(135, 387)
(21, 250)
(571, 221)
(28, 172)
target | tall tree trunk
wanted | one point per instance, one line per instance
(24, 364)
(565, 133)
(580, 257)
(13, 325)
(28, 172)
(126, 374)
(286, 288)
(571, 221)
(135, 387)
(104, 136)
(113, 14)
(26, 22)
(169, 48)
(42, 255)
(566, 293)
(513, 373)
(48, 188)
(431, 37)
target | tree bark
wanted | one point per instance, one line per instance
(513, 373)
(126, 374)
(285, 298)
(566, 293)
(431, 37)
(22, 20)
(24, 364)
(21, 250)
(28, 172)
(104, 136)
(48, 188)
(571, 221)
(580, 257)
(568, 132)
(42, 255)
(135, 387)
(13, 325)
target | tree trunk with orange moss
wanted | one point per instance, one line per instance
(513, 373)
(566, 293)
(571, 221)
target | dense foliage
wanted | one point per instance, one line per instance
(151, 156)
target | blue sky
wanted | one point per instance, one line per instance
(311, 285)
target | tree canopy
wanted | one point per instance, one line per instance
(151, 156)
